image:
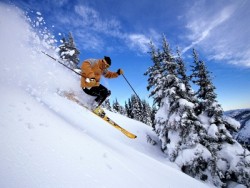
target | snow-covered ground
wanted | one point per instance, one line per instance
(48, 141)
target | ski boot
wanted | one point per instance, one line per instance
(99, 111)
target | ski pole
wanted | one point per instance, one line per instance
(61, 63)
(131, 87)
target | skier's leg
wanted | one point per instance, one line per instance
(90, 91)
(100, 92)
(104, 93)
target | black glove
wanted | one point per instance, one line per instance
(119, 71)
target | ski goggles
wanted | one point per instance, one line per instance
(106, 64)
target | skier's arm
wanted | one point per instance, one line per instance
(109, 74)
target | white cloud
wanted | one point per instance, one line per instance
(87, 14)
(60, 2)
(222, 31)
(202, 26)
(92, 26)
(89, 27)
(93, 29)
(91, 18)
(89, 41)
(139, 41)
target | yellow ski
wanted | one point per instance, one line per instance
(72, 97)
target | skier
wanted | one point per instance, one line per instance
(92, 70)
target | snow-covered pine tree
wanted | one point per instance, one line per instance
(128, 109)
(199, 148)
(106, 104)
(155, 73)
(181, 71)
(152, 117)
(123, 111)
(172, 106)
(139, 110)
(168, 91)
(136, 108)
(146, 113)
(118, 108)
(201, 77)
(208, 105)
(185, 129)
(216, 137)
(68, 52)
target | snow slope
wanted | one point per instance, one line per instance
(49, 141)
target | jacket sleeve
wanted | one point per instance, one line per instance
(87, 71)
(109, 74)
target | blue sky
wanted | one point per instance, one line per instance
(217, 29)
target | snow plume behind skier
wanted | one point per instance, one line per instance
(92, 70)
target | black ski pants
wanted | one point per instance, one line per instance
(100, 92)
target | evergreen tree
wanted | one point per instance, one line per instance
(197, 142)
(146, 113)
(206, 91)
(139, 110)
(123, 111)
(217, 137)
(173, 105)
(106, 104)
(152, 116)
(128, 109)
(181, 71)
(116, 106)
(155, 73)
(169, 90)
(136, 110)
(208, 105)
(69, 53)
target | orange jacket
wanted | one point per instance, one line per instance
(95, 68)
